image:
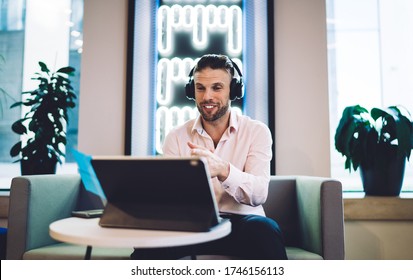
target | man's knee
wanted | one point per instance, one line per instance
(262, 225)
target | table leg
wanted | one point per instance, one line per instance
(88, 252)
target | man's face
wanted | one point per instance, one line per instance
(212, 88)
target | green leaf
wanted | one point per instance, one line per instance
(377, 113)
(399, 126)
(346, 143)
(72, 95)
(15, 150)
(42, 80)
(67, 70)
(61, 139)
(18, 127)
(29, 102)
(16, 104)
(43, 67)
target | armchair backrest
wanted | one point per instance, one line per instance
(309, 211)
(35, 202)
(281, 205)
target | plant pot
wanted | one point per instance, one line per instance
(384, 178)
(38, 166)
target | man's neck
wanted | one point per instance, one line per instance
(217, 128)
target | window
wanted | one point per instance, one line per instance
(370, 55)
(29, 34)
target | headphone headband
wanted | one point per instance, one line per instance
(236, 68)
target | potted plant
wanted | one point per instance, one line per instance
(44, 125)
(379, 142)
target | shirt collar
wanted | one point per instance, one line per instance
(233, 123)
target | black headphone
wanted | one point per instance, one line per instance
(235, 87)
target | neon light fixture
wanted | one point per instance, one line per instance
(200, 19)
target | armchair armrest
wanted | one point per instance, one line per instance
(35, 202)
(320, 211)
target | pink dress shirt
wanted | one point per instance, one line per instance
(246, 144)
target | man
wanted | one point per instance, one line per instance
(238, 151)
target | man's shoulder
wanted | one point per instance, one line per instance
(185, 127)
(246, 121)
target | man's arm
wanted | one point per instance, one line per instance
(247, 184)
(217, 167)
(171, 145)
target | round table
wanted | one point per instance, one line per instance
(88, 232)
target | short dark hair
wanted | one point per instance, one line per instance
(215, 61)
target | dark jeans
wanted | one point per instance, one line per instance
(252, 237)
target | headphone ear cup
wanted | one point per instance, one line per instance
(235, 89)
(190, 90)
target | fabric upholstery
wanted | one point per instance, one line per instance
(64, 251)
(309, 211)
(37, 201)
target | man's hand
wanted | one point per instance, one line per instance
(217, 167)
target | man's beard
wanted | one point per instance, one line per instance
(212, 117)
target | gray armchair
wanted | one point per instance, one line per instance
(308, 209)
(36, 202)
